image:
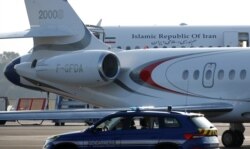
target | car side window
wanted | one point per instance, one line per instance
(116, 123)
(103, 126)
(129, 123)
(149, 122)
(121, 124)
(170, 122)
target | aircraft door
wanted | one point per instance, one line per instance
(236, 39)
(243, 39)
(208, 75)
(98, 31)
(99, 35)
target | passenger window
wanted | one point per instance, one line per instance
(155, 46)
(104, 126)
(137, 47)
(116, 123)
(170, 122)
(221, 74)
(165, 47)
(128, 48)
(135, 123)
(231, 74)
(149, 122)
(132, 125)
(185, 75)
(119, 47)
(196, 74)
(243, 74)
(208, 75)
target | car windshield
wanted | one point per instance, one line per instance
(202, 122)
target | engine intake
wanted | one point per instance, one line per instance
(109, 67)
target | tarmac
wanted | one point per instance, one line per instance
(31, 135)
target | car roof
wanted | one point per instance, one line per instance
(152, 112)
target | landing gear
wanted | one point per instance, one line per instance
(47, 103)
(59, 124)
(234, 136)
(2, 122)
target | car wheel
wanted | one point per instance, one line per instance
(228, 138)
(166, 146)
(2, 122)
(66, 146)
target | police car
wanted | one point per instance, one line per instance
(142, 129)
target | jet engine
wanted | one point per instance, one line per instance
(88, 68)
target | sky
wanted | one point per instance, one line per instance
(13, 15)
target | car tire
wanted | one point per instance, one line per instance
(2, 122)
(66, 146)
(166, 146)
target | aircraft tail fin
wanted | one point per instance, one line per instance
(54, 22)
(99, 23)
(59, 15)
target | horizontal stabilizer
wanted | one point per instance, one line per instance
(38, 32)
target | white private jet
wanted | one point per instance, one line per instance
(67, 59)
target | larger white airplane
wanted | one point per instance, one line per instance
(67, 59)
(183, 36)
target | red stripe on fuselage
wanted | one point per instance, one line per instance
(146, 76)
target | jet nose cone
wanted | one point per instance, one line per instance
(10, 72)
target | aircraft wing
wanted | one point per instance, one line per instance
(205, 108)
(37, 32)
(85, 114)
(55, 114)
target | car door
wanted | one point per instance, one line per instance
(104, 135)
(138, 136)
(101, 139)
